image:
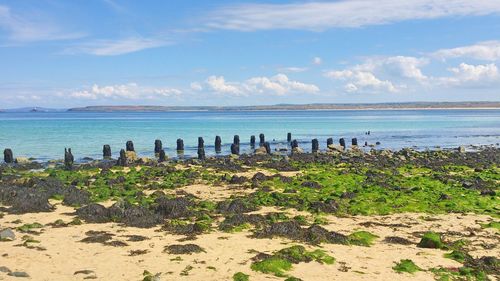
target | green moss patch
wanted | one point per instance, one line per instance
(431, 240)
(240, 276)
(407, 266)
(362, 238)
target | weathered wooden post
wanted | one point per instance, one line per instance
(122, 160)
(158, 146)
(342, 142)
(268, 147)
(68, 158)
(262, 139)
(235, 149)
(289, 137)
(354, 142)
(315, 145)
(201, 148)
(329, 141)
(129, 146)
(236, 140)
(106, 151)
(366, 143)
(218, 144)
(180, 145)
(8, 157)
(252, 141)
(161, 156)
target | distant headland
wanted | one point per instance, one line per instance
(316, 106)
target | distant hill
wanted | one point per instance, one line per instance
(32, 109)
(344, 106)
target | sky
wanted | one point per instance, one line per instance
(60, 54)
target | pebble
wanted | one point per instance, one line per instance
(7, 234)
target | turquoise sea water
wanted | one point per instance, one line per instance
(45, 135)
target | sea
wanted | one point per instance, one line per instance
(44, 135)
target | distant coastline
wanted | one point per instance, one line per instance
(280, 107)
(277, 107)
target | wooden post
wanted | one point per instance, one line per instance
(268, 147)
(235, 149)
(236, 140)
(289, 137)
(315, 145)
(201, 148)
(106, 151)
(262, 139)
(218, 144)
(342, 142)
(329, 141)
(158, 146)
(129, 146)
(180, 145)
(252, 141)
(8, 157)
(294, 144)
(354, 142)
(162, 157)
(122, 160)
(68, 158)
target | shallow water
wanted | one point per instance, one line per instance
(45, 135)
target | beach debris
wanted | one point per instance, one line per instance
(129, 146)
(7, 235)
(106, 151)
(289, 137)
(186, 249)
(218, 144)
(315, 146)
(8, 156)
(158, 146)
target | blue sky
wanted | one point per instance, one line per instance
(57, 53)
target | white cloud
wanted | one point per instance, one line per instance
(32, 28)
(472, 75)
(340, 14)
(361, 81)
(131, 91)
(219, 84)
(117, 47)
(293, 69)
(488, 51)
(196, 86)
(279, 85)
(317, 61)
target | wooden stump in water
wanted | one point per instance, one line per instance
(294, 144)
(129, 146)
(252, 141)
(158, 146)
(106, 151)
(329, 141)
(218, 144)
(268, 147)
(289, 137)
(180, 145)
(354, 142)
(122, 160)
(68, 158)
(201, 148)
(235, 149)
(8, 156)
(236, 140)
(342, 142)
(162, 157)
(262, 139)
(315, 145)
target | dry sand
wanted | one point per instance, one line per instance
(62, 254)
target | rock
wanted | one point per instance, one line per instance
(23, 160)
(186, 249)
(297, 150)
(218, 144)
(129, 146)
(235, 149)
(5, 269)
(7, 156)
(94, 213)
(461, 149)
(131, 156)
(336, 148)
(261, 151)
(106, 151)
(18, 274)
(7, 235)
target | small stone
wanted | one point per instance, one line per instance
(5, 269)
(7, 235)
(261, 151)
(461, 149)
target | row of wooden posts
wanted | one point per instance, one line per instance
(160, 152)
